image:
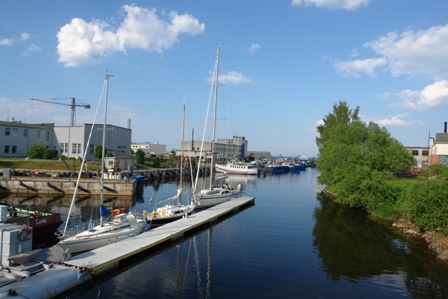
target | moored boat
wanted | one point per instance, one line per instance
(237, 167)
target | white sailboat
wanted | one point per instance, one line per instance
(215, 194)
(110, 230)
(174, 209)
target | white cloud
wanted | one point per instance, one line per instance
(89, 43)
(355, 67)
(433, 95)
(333, 4)
(253, 48)
(397, 121)
(232, 77)
(14, 40)
(414, 53)
(423, 52)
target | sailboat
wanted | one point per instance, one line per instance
(218, 191)
(174, 209)
(114, 228)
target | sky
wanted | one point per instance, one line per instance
(282, 66)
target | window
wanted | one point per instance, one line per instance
(7, 131)
(14, 149)
(14, 132)
(121, 150)
(415, 152)
(91, 148)
(38, 134)
(425, 153)
(64, 148)
(76, 148)
(6, 149)
(25, 132)
(47, 135)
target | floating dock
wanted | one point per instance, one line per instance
(62, 276)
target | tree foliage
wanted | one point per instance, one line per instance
(427, 199)
(140, 156)
(358, 158)
(38, 151)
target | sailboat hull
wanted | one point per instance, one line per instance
(111, 232)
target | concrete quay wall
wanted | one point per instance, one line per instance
(27, 186)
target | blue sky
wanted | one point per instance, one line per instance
(283, 65)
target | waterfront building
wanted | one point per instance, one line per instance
(150, 149)
(17, 137)
(225, 149)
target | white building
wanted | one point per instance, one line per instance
(17, 137)
(420, 154)
(225, 149)
(150, 149)
(71, 141)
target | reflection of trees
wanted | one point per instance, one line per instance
(351, 244)
(354, 246)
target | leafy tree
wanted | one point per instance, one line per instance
(36, 151)
(357, 159)
(140, 156)
(98, 151)
(426, 198)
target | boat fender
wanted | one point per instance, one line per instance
(28, 233)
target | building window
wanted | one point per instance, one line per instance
(47, 135)
(415, 152)
(7, 131)
(425, 152)
(38, 134)
(6, 149)
(14, 149)
(91, 148)
(14, 132)
(64, 148)
(25, 132)
(121, 150)
(76, 148)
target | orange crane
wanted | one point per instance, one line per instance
(72, 105)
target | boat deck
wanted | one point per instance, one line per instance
(83, 267)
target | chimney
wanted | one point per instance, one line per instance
(444, 129)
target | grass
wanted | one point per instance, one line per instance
(34, 164)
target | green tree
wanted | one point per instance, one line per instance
(98, 151)
(358, 159)
(140, 156)
(36, 151)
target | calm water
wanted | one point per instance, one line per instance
(290, 244)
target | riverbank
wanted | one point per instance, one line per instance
(437, 242)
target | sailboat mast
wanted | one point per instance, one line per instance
(103, 150)
(212, 161)
(182, 156)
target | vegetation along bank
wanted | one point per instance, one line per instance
(362, 166)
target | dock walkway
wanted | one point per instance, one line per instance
(82, 267)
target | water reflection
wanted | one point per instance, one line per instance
(353, 247)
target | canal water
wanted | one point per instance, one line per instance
(293, 243)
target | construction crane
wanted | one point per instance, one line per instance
(72, 105)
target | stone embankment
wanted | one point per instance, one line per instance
(437, 242)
